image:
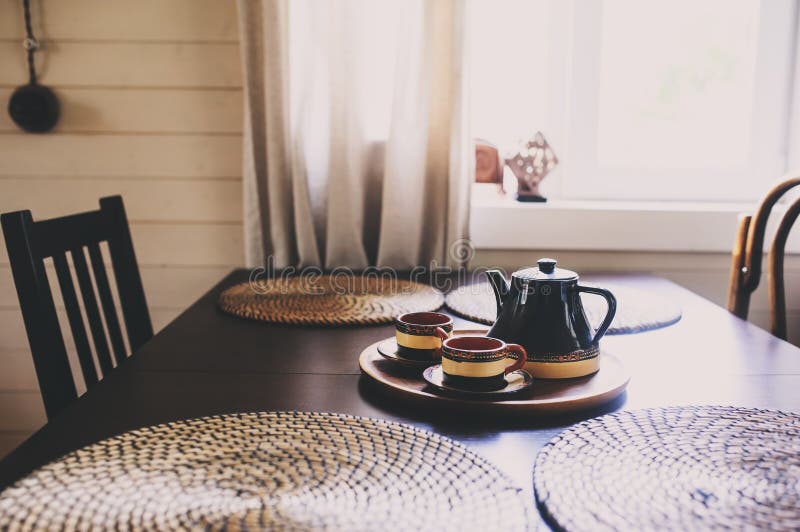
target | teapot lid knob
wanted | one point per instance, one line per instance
(547, 265)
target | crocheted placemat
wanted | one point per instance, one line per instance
(637, 311)
(677, 468)
(276, 470)
(329, 300)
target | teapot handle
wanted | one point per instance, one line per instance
(612, 309)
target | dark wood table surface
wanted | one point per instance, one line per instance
(206, 362)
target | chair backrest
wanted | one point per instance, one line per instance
(29, 243)
(747, 258)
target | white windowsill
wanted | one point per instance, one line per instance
(504, 223)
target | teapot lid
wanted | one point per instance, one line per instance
(546, 271)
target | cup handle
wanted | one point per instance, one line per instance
(443, 335)
(522, 356)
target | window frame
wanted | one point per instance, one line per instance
(577, 217)
(584, 178)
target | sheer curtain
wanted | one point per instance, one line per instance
(356, 144)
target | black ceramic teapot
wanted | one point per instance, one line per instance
(542, 311)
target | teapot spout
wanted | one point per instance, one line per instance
(499, 285)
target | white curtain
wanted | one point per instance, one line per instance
(356, 144)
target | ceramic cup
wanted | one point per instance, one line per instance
(420, 334)
(479, 362)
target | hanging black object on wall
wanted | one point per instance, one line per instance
(33, 107)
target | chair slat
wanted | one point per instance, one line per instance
(92, 312)
(107, 302)
(738, 301)
(38, 313)
(70, 298)
(126, 271)
(777, 287)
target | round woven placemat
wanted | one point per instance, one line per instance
(637, 311)
(277, 470)
(329, 300)
(679, 468)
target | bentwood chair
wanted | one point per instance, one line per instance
(748, 253)
(29, 243)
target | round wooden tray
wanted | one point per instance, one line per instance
(543, 398)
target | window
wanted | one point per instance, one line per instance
(641, 100)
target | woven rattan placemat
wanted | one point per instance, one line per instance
(329, 300)
(678, 468)
(637, 311)
(275, 471)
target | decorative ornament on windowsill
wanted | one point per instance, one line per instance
(488, 164)
(33, 107)
(532, 162)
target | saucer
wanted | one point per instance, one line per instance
(516, 382)
(388, 350)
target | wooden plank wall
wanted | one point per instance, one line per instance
(151, 109)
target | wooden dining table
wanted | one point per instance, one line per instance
(206, 362)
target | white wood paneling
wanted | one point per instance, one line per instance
(151, 109)
(142, 111)
(126, 64)
(17, 373)
(121, 155)
(114, 20)
(177, 244)
(163, 200)
(21, 411)
(191, 244)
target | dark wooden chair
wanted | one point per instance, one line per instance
(29, 243)
(748, 255)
